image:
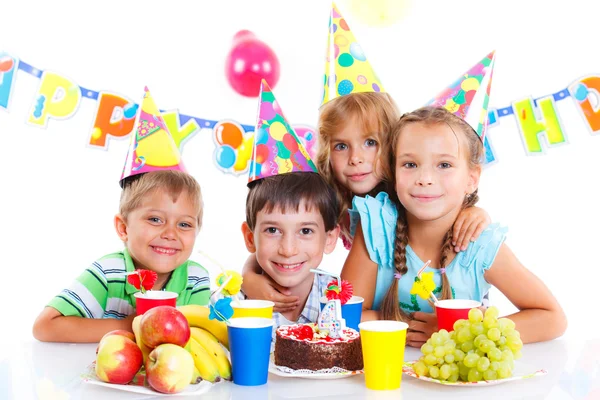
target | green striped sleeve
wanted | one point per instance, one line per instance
(86, 297)
(198, 284)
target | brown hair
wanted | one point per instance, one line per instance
(376, 113)
(390, 308)
(173, 182)
(287, 191)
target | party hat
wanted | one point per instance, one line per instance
(277, 149)
(469, 95)
(151, 147)
(347, 69)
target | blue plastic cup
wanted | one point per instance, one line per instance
(351, 311)
(250, 348)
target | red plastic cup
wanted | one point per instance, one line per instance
(451, 310)
(154, 298)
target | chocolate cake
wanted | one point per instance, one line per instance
(302, 347)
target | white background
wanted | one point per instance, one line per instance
(58, 196)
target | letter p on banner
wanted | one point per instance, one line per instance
(57, 97)
(115, 117)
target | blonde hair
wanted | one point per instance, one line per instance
(376, 113)
(390, 308)
(173, 182)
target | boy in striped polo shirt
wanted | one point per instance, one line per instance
(160, 215)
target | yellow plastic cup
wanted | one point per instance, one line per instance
(252, 308)
(383, 353)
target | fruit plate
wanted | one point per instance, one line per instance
(139, 384)
(519, 374)
(339, 374)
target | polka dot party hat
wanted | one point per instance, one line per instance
(469, 95)
(151, 147)
(347, 69)
(277, 148)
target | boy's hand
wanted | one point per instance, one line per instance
(468, 226)
(420, 328)
(261, 286)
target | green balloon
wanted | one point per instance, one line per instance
(460, 97)
(282, 151)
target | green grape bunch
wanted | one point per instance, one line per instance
(484, 347)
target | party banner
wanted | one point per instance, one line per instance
(58, 97)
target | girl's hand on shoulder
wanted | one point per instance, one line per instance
(262, 287)
(468, 226)
(420, 328)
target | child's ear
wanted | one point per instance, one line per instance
(121, 227)
(474, 175)
(248, 237)
(331, 240)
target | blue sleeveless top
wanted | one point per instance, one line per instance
(378, 216)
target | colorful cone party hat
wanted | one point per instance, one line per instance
(347, 69)
(277, 149)
(469, 95)
(151, 148)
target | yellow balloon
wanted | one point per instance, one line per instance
(240, 164)
(244, 152)
(277, 130)
(379, 13)
(285, 166)
(469, 84)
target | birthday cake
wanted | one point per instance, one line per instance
(303, 347)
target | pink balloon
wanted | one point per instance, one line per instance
(248, 62)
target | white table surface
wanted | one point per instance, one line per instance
(30, 369)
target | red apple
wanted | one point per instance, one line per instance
(169, 368)
(164, 324)
(121, 332)
(118, 359)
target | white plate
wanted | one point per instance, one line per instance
(313, 375)
(139, 386)
(518, 375)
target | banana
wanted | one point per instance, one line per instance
(196, 378)
(135, 326)
(198, 316)
(212, 346)
(204, 362)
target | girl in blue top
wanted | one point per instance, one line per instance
(436, 161)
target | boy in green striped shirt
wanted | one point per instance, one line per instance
(160, 215)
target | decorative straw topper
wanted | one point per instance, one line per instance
(424, 284)
(342, 292)
(142, 279)
(330, 319)
(230, 284)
